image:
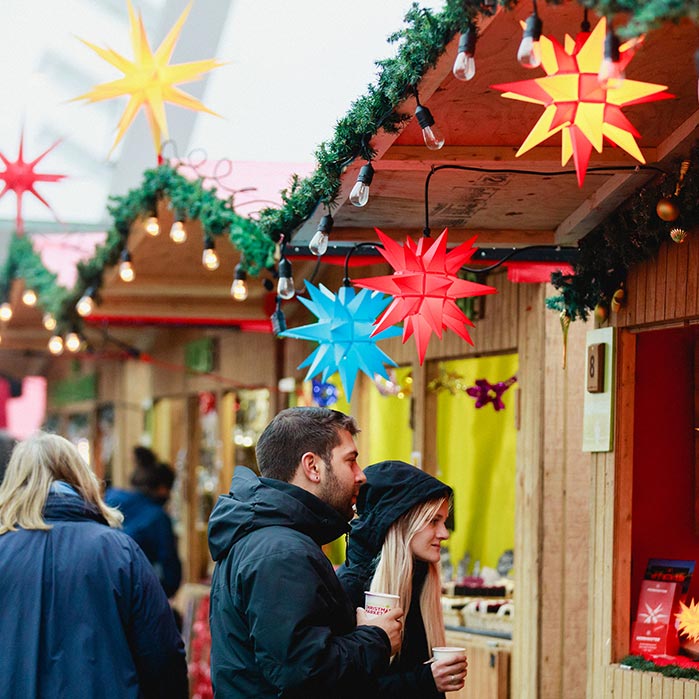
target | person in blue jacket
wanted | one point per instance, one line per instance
(281, 624)
(145, 519)
(394, 547)
(83, 614)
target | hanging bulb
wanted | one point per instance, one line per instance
(152, 226)
(5, 312)
(49, 321)
(178, 233)
(529, 52)
(611, 75)
(56, 345)
(319, 242)
(29, 297)
(209, 256)
(285, 285)
(465, 64)
(126, 271)
(359, 195)
(239, 288)
(73, 341)
(86, 305)
(434, 139)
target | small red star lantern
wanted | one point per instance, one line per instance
(576, 104)
(20, 177)
(425, 288)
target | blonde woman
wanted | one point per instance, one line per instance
(394, 547)
(83, 613)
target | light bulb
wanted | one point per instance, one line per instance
(611, 74)
(178, 234)
(239, 287)
(85, 306)
(359, 195)
(431, 133)
(73, 342)
(152, 226)
(209, 259)
(5, 312)
(529, 52)
(126, 271)
(285, 285)
(29, 297)
(56, 345)
(319, 242)
(49, 321)
(465, 64)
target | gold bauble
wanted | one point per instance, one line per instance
(678, 235)
(617, 300)
(601, 312)
(667, 209)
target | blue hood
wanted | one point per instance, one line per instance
(254, 503)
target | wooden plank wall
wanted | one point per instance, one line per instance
(661, 292)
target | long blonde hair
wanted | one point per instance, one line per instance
(34, 466)
(394, 573)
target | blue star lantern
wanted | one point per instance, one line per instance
(343, 333)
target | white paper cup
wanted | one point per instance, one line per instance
(447, 652)
(378, 603)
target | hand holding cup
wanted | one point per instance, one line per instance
(449, 668)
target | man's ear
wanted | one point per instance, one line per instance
(310, 467)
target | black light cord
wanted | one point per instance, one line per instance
(367, 244)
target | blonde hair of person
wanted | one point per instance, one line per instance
(394, 573)
(35, 464)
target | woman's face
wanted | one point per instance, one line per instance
(426, 544)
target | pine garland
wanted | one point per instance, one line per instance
(629, 236)
(638, 662)
(23, 262)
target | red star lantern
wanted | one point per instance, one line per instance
(576, 104)
(20, 178)
(425, 288)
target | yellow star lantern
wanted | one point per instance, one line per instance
(576, 105)
(149, 80)
(688, 618)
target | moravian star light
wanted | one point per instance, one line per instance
(425, 287)
(345, 334)
(149, 80)
(576, 105)
(20, 177)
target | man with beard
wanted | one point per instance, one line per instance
(281, 624)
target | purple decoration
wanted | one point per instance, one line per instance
(324, 394)
(484, 392)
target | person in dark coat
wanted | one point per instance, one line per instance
(281, 624)
(145, 519)
(84, 615)
(394, 547)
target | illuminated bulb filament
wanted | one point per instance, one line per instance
(49, 321)
(56, 344)
(126, 271)
(73, 342)
(209, 259)
(85, 306)
(5, 312)
(152, 226)
(239, 289)
(29, 297)
(178, 234)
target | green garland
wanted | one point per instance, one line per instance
(645, 14)
(189, 199)
(23, 262)
(638, 662)
(631, 235)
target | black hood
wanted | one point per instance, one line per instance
(391, 489)
(254, 503)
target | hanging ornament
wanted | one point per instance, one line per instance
(484, 392)
(425, 287)
(576, 105)
(390, 387)
(668, 208)
(324, 393)
(20, 178)
(345, 334)
(448, 381)
(601, 312)
(149, 80)
(565, 326)
(678, 235)
(618, 299)
(688, 620)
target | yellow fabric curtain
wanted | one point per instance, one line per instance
(476, 454)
